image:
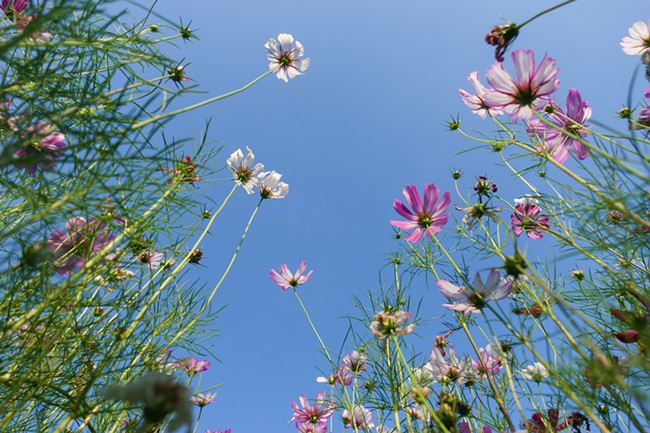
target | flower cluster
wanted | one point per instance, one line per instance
(251, 176)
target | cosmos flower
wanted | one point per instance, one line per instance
(307, 427)
(42, 150)
(340, 377)
(243, 169)
(386, 324)
(477, 102)
(535, 372)
(269, 185)
(446, 369)
(501, 36)
(427, 217)
(322, 409)
(360, 418)
(286, 279)
(530, 91)
(203, 400)
(554, 138)
(285, 57)
(83, 240)
(151, 259)
(13, 6)
(191, 365)
(527, 219)
(638, 43)
(473, 299)
(355, 362)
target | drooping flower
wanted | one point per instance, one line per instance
(527, 219)
(42, 150)
(191, 365)
(322, 409)
(286, 279)
(536, 372)
(387, 324)
(161, 396)
(203, 400)
(554, 138)
(473, 299)
(427, 217)
(638, 43)
(501, 36)
(83, 240)
(477, 102)
(360, 418)
(528, 92)
(269, 185)
(243, 169)
(285, 57)
(355, 362)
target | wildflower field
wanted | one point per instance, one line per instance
(445, 232)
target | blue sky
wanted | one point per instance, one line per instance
(365, 120)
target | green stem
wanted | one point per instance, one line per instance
(544, 12)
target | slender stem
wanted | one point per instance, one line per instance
(545, 12)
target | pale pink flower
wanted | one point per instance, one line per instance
(42, 150)
(342, 377)
(307, 427)
(530, 91)
(203, 400)
(554, 138)
(445, 369)
(151, 259)
(243, 169)
(285, 57)
(191, 365)
(355, 362)
(477, 102)
(638, 43)
(492, 363)
(286, 279)
(360, 418)
(386, 324)
(426, 217)
(322, 409)
(473, 299)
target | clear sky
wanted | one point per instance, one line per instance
(365, 120)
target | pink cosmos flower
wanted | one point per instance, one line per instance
(43, 149)
(191, 365)
(151, 259)
(342, 377)
(322, 409)
(286, 279)
(83, 240)
(360, 418)
(284, 57)
(474, 298)
(307, 427)
(425, 217)
(477, 102)
(216, 431)
(554, 140)
(355, 362)
(492, 363)
(644, 115)
(528, 92)
(446, 369)
(638, 43)
(203, 400)
(243, 169)
(527, 219)
(386, 324)
(13, 6)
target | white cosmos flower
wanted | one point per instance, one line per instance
(243, 170)
(284, 57)
(535, 372)
(270, 186)
(638, 43)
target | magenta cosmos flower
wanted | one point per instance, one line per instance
(42, 150)
(425, 217)
(286, 279)
(360, 418)
(322, 409)
(473, 299)
(13, 6)
(477, 102)
(527, 219)
(528, 92)
(638, 43)
(554, 138)
(284, 57)
(82, 240)
(191, 365)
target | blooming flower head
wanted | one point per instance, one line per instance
(11, 7)
(447, 369)
(151, 259)
(202, 400)
(42, 150)
(286, 279)
(307, 427)
(473, 299)
(355, 362)
(477, 102)
(341, 377)
(83, 240)
(387, 324)
(191, 365)
(322, 409)
(285, 57)
(528, 92)
(554, 138)
(269, 185)
(243, 169)
(360, 418)
(638, 43)
(161, 396)
(491, 363)
(535, 372)
(527, 219)
(427, 217)
(550, 423)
